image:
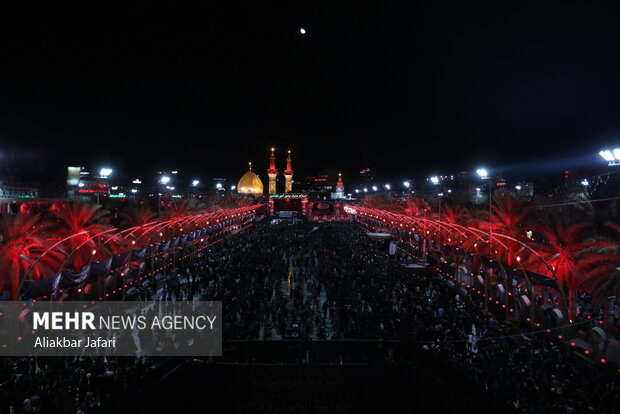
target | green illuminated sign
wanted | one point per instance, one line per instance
(287, 196)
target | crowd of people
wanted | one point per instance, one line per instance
(331, 282)
(69, 385)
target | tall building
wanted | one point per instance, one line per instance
(339, 188)
(288, 174)
(272, 172)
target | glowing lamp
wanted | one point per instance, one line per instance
(105, 172)
(611, 156)
(482, 173)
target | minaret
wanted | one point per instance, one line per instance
(288, 174)
(272, 172)
(339, 187)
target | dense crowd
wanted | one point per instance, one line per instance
(332, 282)
(373, 294)
(69, 385)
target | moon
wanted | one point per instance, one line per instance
(302, 31)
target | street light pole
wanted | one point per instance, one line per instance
(440, 226)
(489, 221)
(484, 175)
(103, 173)
(163, 180)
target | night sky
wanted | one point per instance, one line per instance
(433, 89)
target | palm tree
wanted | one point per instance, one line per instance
(22, 247)
(74, 218)
(574, 256)
(508, 216)
(603, 279)
(137, 216)
(417, 207)
(605, 286)
(455, 214)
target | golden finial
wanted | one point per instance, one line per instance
(272, 150)
(250, 165)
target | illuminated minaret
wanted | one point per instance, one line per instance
(288, 174)
(272, 172)
(339, 187)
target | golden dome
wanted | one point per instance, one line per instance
(250, 184)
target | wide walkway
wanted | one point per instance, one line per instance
(303, 294)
